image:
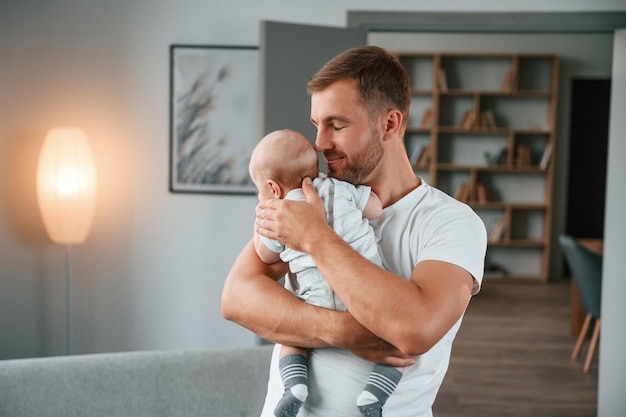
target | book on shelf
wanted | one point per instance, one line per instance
(497, 231)
(490, 120)
(545, 158)
(427, 119)
(441, 80)
(462, 192)
(522, 156)
(481, 121)
(481, 193)
(469, 120)
(485, 120)
(509, 81)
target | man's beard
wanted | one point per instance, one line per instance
(361, 164)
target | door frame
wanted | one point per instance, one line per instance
(480, 22)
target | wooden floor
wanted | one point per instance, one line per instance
(512, 357)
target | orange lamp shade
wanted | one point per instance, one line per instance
(66, 185)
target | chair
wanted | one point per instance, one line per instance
(586, 268)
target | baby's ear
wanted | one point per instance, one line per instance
(277, 190)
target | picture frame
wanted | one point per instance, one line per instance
(214, 91)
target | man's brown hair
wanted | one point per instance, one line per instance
(381, 80)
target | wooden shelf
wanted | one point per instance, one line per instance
(490, 132)
(502, 205)
(419, 92)
(418, 130)
(516, 93)
(510, 169)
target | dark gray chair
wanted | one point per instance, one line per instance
(586, 268)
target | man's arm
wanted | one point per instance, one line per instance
(373, 208)
(412, 314)
(253, 298)
(267, 255)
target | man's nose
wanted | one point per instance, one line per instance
(322, 141)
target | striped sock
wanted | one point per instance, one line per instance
(381, 383)
(293, 372)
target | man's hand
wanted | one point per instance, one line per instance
(296, 224)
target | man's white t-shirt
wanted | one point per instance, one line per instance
(426, 224)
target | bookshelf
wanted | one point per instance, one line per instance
(481, 129)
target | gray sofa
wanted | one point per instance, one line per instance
(212, 383)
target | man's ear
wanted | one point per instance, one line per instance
(392, 123)
(276, 189)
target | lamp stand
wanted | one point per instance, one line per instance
(68, 299)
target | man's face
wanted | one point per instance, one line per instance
(349, 139)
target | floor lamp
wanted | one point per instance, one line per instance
(66, 191)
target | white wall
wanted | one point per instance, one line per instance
(151, 273)
(612, 376)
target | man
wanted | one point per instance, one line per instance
(432, 248)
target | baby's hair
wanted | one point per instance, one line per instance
(285, 156)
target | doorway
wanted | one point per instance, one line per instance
(589, 131)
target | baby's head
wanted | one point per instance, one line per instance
(280, 161)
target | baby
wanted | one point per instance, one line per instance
(279, 163)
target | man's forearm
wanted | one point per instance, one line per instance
(410, 314)
(253, 299)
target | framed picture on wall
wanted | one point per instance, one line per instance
(213, 117)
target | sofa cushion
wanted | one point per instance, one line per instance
(218, 382)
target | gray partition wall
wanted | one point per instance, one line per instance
(290, 55)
